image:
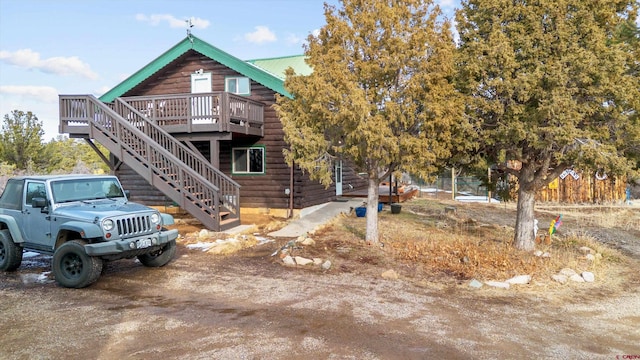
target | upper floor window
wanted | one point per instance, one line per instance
(248, 160)
(237, 85)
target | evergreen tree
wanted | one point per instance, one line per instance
(380, 95)
(21, 139)
(552, 85)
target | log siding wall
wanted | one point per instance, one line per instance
(258, 191)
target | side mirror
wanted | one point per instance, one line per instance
(38, 202)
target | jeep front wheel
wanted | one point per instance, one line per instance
(160, 257)
(10, 253)
(73, 268)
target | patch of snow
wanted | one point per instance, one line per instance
(44, 277)
(474, 198)
(201, 246)
(263, 240)
(433, 190)
(29, 254)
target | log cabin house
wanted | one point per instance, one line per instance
(195, 128)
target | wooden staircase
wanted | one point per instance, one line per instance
(181, 174)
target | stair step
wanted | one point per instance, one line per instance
(229, 223)
(166, 171)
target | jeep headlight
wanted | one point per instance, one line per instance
(107, 225)
(155, 218)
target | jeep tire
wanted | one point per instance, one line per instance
(159, 257)
(10, 253)
(73, 268)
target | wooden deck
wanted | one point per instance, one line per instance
(383, 194)
(177, 113)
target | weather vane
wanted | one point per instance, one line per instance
(189, 26)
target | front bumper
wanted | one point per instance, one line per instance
(132, 245)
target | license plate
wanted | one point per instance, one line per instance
(143, 243)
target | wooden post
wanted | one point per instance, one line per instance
(453, 183)
(488, 182)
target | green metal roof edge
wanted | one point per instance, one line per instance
(275, 58)
(249, 70)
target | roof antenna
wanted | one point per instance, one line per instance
(189, 26)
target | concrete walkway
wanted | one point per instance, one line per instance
(315, 216)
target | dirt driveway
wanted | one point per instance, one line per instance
(248, 306)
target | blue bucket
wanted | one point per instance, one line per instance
(361, 211)
(380, 205)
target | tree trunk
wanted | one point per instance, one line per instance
(372, 211)
(524, 237)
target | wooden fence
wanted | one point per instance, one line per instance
(577, 187)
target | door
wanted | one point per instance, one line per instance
(338, 178)
(201, 106)
(38, 226)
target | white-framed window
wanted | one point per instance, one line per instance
(237, 85)
(248, 160)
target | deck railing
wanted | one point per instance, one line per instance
(214, 111)
(186, 177)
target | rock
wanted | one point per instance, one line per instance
(308, 242)
(585, 250)
(203, 234)
(519, 280)
(590, 257)
(588, 276)
(390, 274)
(568, 272)
(546, 255)
(303, 261)
(562, 279)
(538, 253)
(576, 278)
(300, 238)
(288, 260)
(475, 284)
(326, 265)
(317, 261)
(498, 284)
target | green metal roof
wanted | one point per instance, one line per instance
(247, 69)
(278, 65)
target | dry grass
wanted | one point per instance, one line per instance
(624, 218)
(425, 242)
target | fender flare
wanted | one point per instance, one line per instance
(16, 234)
(167, 219)
(86, 230)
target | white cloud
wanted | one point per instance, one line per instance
(101, 91)
(293, 39)
(261, 35)
(174, 22)
(446, 3)
(46, 94)
(40, 100)
(29, 59)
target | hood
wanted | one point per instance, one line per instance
(89, 210)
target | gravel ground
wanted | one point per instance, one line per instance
(248, 306)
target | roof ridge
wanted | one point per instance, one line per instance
(194, 43)
(275, 57)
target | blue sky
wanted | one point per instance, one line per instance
(51, 47)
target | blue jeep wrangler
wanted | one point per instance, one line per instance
(82, 220)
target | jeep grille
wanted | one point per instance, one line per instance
(134, 225)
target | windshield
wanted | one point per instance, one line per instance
(85, 189)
